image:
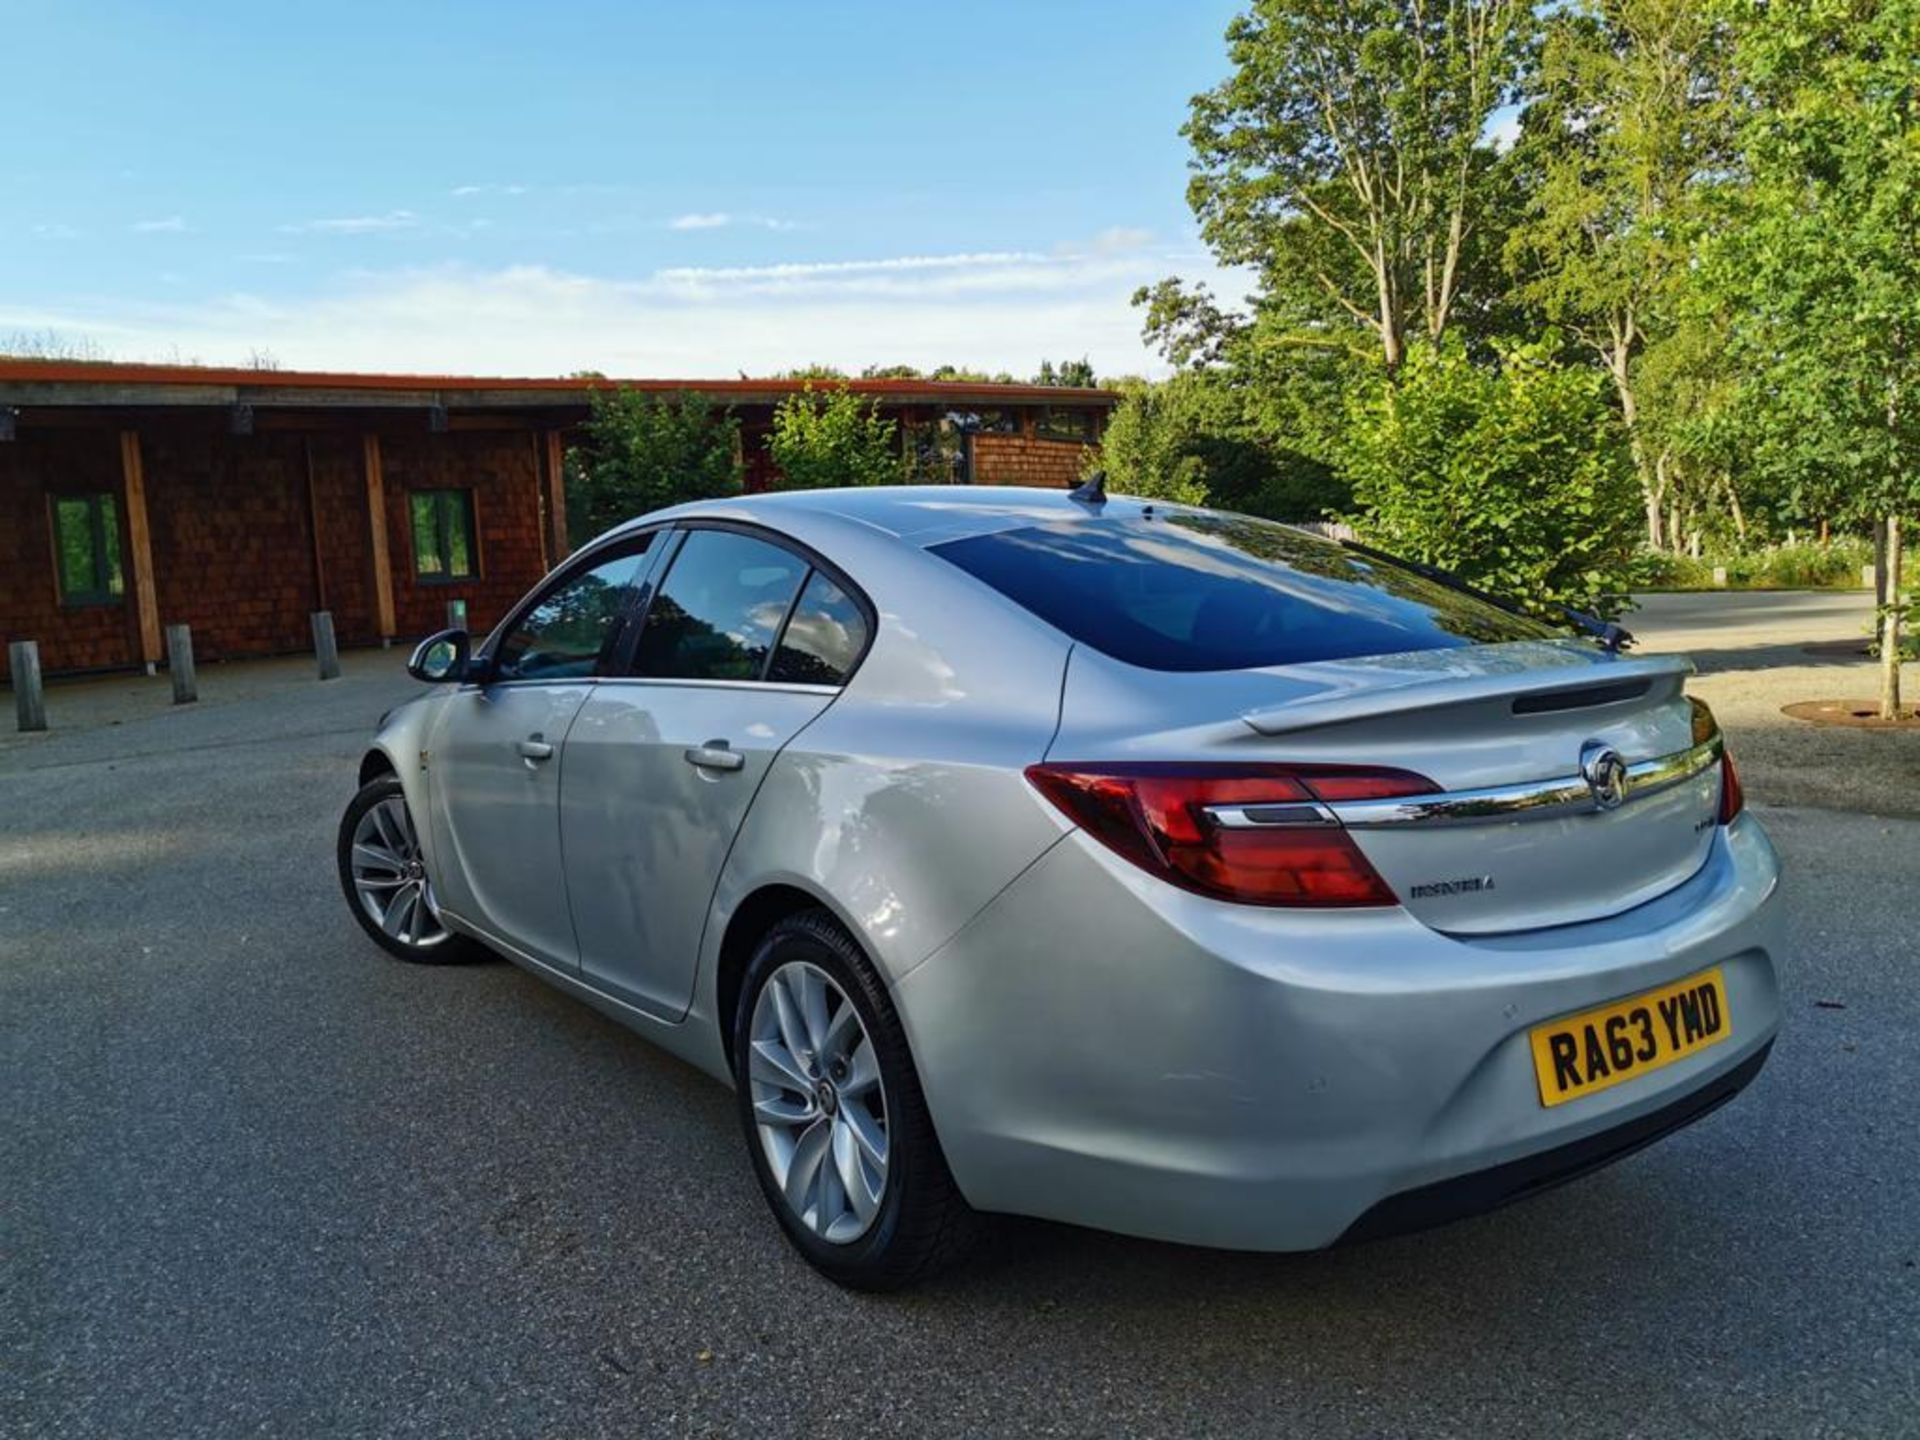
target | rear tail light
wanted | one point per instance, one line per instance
(1706, 728)
(1257, 834)
(1732, 798)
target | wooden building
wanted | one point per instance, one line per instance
(238, 502)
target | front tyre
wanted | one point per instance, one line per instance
(834, 1119)
(384, 873)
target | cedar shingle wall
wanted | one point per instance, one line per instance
(502, 470)
(231, 555)
(1020, 460)
(233, 537)
(71, 638)
(346, 559)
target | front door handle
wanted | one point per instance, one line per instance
(534, 748)
(715, 755)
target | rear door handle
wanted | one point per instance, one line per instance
(715, 755)
(534, 748)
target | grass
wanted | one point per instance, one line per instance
(1835, 566)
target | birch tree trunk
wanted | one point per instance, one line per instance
(1890, 626)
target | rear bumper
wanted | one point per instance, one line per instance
(1101, 1049)
(1448, 1200)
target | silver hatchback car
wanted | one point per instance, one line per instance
(1138, 866)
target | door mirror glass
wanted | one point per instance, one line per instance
(440, 658)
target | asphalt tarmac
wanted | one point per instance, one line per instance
(258, 1179)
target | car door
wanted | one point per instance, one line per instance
(494, 754)
(744, 641)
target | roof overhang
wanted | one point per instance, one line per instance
(47, 383)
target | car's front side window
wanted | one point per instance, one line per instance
(567, 633)
(719, 609)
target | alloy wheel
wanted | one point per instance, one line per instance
(390, 876)
(819, 1103)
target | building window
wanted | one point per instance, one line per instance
(86, 548)
(443, 534)
(1053, 424)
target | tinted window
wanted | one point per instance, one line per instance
(573, 625)
(824, 637)
(718, 609)
(1196, 591)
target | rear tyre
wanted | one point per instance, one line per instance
(383, 871)
(834, 1118)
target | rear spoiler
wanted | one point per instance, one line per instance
(1437, 694)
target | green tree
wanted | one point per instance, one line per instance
(1206, 437)
(962, 372)
(644, 451)
(1344, 158)
(1511, 475)
(825, 438)
(1820, 260)
(1627, 121)
(1068, 372)
(1148, 448)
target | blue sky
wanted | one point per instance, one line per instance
(690, 189)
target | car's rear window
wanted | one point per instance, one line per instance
(1198, 591)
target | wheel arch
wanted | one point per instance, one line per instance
(757, 913)
(375, 763)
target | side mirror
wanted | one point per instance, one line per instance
(440, 658)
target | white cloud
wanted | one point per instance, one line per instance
(721, 219)
(464, 191)
(56, 231)
(844, 273)
(1121, 238)
(993, 310)
(356, 224)
(170, 225)
(267, 257)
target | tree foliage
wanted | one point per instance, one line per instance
(1710, 208)
(1149, 445)
(1820, 260)
(1197, 439)
(1068, 372)
(1619, 147)
(1345, 156)
(826, 437)
(1510, 474)
(644, 451)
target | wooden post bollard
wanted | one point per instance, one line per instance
(324, 648)
(1866, 577)
(186, 687)
(29, 700)
(456, 614)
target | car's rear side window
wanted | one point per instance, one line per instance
(1197, 591)
(823, 639)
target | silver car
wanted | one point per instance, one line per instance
(1138, 866)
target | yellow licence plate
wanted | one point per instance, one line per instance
(1586, 1053)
